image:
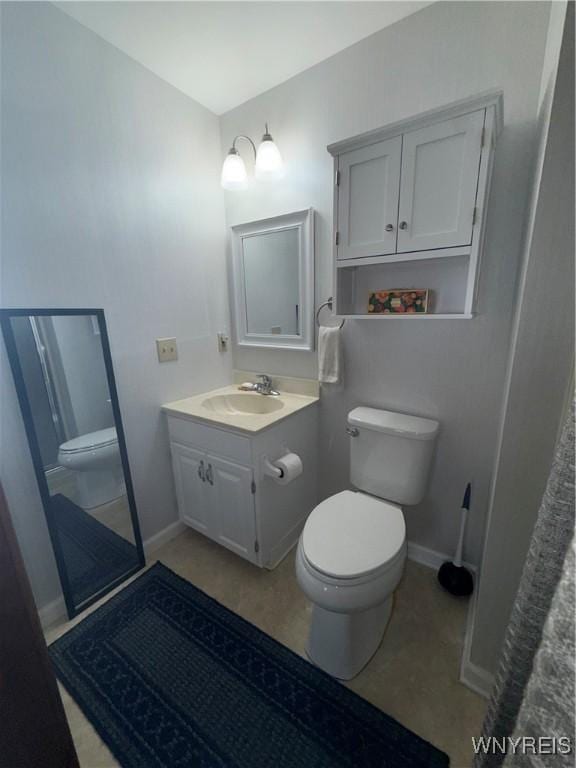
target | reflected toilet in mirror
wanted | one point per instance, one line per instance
(65, 384)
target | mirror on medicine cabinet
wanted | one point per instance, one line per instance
(273, 272)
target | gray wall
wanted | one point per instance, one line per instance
(450, 370)
(541, 372)
(110, 198)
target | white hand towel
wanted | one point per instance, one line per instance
(329, 364)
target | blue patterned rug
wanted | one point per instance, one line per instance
(94, 555)
(170, 678)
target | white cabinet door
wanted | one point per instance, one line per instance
(232, 506)
(440, 166)
(191, 491)
(368, 199)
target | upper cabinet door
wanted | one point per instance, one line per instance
(440, 165)
(368, 199)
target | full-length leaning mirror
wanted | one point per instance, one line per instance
(65, 383)
(273, 266)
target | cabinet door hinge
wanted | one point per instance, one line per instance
(337, 238)
(337, 180)
(256, 547)
(253, 486)
(474, 216)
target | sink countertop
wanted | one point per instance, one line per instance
(193, 408)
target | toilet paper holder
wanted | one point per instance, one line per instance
(284, 469)
(270, 469)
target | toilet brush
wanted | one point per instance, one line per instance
(453, 576)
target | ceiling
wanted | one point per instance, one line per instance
(224, 53)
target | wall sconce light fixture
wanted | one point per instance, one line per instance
(268, 163)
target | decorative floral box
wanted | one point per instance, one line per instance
(398, 301)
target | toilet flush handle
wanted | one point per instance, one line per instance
(352, 431)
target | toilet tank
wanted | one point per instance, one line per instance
(391, 453)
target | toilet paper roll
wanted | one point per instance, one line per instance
(291, 467)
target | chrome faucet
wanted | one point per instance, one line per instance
(264, 386)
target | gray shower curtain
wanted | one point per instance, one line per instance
(534, 691)
(548, 705)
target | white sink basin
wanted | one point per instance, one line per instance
(242, 404)
(232, 408)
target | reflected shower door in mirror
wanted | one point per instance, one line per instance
(64, 378)
(273, 263)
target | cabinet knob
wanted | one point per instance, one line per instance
(389, 227)
(209, 475)
(403, 225)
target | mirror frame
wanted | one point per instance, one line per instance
(303, 221)
(20, 384)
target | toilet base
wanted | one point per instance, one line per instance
(342, 644)
(98, 488)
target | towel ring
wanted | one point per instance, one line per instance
(327, 303)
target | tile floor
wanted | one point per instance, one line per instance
(413, 676)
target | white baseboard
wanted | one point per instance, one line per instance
(425, 556)
(476, 678)
(431, 557)
(164, 536)
(52, 612)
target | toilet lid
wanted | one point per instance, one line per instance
(90, 440)
(351, 534)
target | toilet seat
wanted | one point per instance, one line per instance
(349, 585)
(90, 442)
(352, 536)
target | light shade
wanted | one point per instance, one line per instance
(269, 163)
(234, 174)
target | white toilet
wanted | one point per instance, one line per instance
(352, 550)
(95, 457)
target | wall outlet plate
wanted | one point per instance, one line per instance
(167, 350)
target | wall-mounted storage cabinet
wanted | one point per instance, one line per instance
(410, 202)
(368, 189)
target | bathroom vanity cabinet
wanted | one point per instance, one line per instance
(223, 492)
(409, 207)
(216, 497)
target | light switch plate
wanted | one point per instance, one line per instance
(167, 350)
